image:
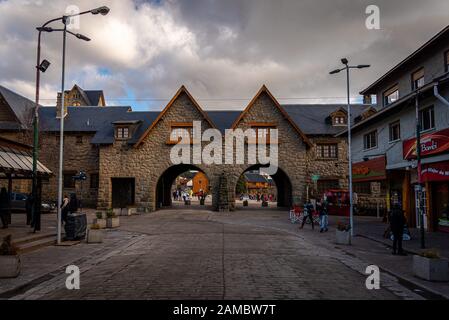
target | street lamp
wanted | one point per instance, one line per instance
(42, 67)
(347, 67)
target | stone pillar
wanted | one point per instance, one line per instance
(223, 194)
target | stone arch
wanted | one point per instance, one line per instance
(163, 196)
(283, 183)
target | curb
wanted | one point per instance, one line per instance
(407, 280)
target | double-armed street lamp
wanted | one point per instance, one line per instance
(346, 68)
(42, 66)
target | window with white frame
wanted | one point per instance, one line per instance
(370, 140)
(391, 95)
(418, 79)
(327, 151)
(395, 131)
(427, 118)
(122, 133)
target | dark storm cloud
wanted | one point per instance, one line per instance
(219, 49)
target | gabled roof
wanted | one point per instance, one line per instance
(440, 37)
(94, 96)
(20, 106)
(265, 90)
(169, 105)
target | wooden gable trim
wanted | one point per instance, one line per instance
(181, 90)
(264, 89)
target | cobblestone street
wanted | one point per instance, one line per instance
(189, 254)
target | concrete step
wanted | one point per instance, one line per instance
(32, 237)
(34, 244)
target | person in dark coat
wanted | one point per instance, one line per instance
(74, 203)
(397, 223)
(4, 207)
(308, 214)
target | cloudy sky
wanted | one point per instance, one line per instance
(222, 50)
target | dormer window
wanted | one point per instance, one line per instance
(122, 133)
(125, 129)
(339, 120)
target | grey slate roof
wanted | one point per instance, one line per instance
(20, 106)
(311, 118)
(80, 119)
(223, 119)
(93, 96)
(98, 120)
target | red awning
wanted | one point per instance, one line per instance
(435, 172)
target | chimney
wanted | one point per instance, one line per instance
(58, 105)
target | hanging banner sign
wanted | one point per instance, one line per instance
(432, 143)
(371, 170)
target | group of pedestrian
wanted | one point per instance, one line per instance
(322, 208)
(183, 195)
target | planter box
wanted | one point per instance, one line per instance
(132, 211)
(343, 237)
(430, 269)
(113, 222)
(9, 266)
(100, 222)
(117, 211)
(95, 236)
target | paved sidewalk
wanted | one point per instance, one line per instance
(192, 254)
(373, 228)
(372, 249)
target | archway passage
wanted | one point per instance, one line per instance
(166, 184)
(277, 188)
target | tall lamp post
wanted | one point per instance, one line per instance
(42, 67)
(346, 68)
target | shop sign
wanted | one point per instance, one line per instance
(432, 143)
(370, 170)
(435, 172)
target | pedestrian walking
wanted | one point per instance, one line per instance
(324, 217)
(397, 223)
(308, 212)
(4, 207)
(65, 206)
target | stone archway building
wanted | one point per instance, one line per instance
(117, 146)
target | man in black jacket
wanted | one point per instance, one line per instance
(397, 222)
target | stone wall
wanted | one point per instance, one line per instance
(147, 162)
(150, 160)
(328, 169)
(78, 156)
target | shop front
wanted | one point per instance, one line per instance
(369, 179)
(434, 177)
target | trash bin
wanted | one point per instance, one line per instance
(75, 227)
